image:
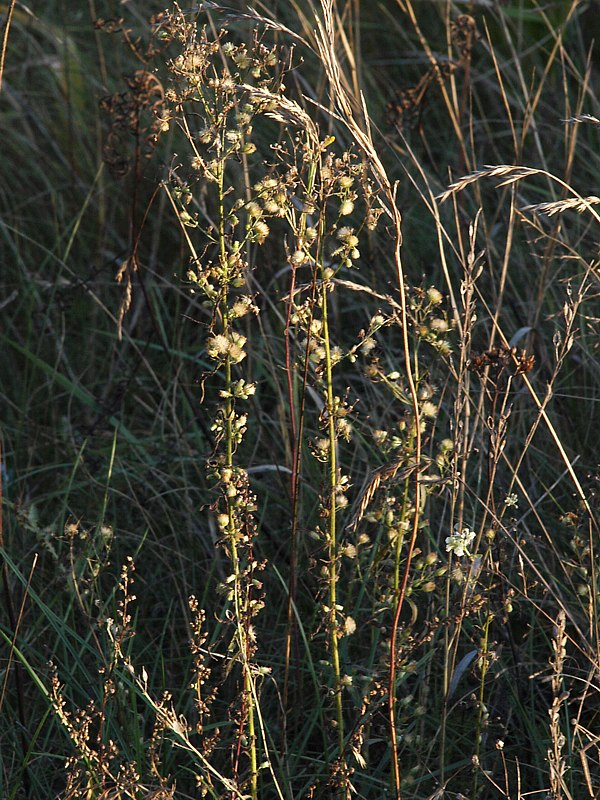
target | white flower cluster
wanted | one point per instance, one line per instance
(460, 541)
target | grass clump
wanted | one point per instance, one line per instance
(311, 363)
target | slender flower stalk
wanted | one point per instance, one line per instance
(332, 532)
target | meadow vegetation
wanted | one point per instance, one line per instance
(300, 377)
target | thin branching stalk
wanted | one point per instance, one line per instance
(332, 532)
(232, 526)
(296, 437)
(326, 45)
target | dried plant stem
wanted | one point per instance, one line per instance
(9, 14)
(556, 759)
(462, 412)
(401, 591)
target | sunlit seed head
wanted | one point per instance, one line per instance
(368, 344)
(429, 409)
(438, 325)
(260, 230)
(217, 346)
(298, 258)
(227, 84)
(254, 210)
(349, 629)
(434, 296)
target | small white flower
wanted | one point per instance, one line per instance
(511, 501)
(460, 541)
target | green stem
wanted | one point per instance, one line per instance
(480, 705)
(332, 526)
(243, 643)
(297, 428)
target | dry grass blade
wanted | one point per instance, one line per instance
(284, 110)
(389, 472)
(579, 204)
(4, 43)
(510, 174)
(262, 20)
(582, 118)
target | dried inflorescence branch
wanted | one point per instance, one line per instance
(501, 360)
